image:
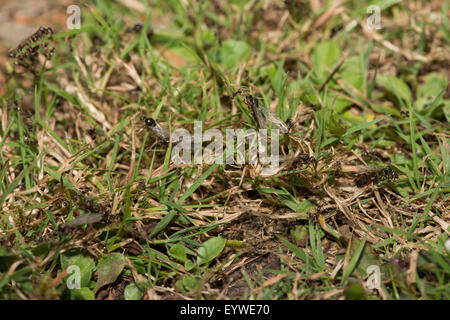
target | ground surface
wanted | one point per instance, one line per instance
(363, 186)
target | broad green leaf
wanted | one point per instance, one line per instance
(109, 268)
(210, 249)
(231, 53)
(186, 53)
(358, 119)
(190, 283)
(133, 292)
(86, 265)
(268, 70)
(189, 265)
(384, 109)
(351, 72)
(325, 55)
(84, 294)
(433, 86)
(340, 104)
(396, 86)
(293, 205)
(354, 291)
(178, 252)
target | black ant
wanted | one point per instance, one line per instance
(27, 50)
(303, 158)
(375, 175)
(157, 129)
(136, 28)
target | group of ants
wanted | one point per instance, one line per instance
(26, 55)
